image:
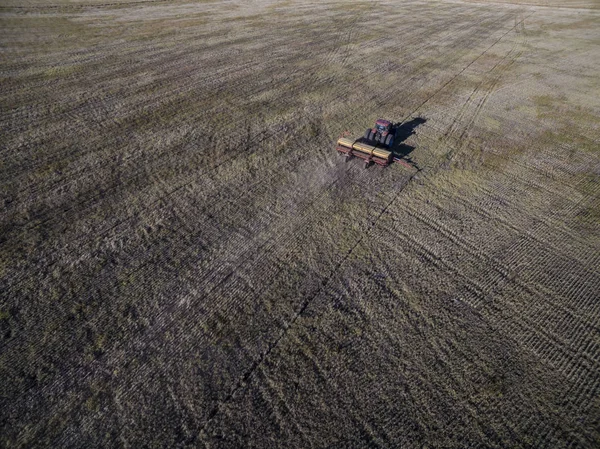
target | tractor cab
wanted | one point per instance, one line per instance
(382, 126)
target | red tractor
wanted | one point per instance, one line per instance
(383, 133)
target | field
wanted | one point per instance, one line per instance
(185, 261)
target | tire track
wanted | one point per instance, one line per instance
(527, 332)
(241, 255)
(246, 376)
(192, 177)
(210, 168)
(288, 325)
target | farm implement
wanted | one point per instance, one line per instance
(374, 147)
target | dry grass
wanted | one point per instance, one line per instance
(185, 260)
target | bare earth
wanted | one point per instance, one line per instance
(186, 262)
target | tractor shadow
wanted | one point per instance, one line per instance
(403, 132)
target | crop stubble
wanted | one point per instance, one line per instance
(186, 261)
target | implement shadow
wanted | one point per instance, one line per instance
(404, 131)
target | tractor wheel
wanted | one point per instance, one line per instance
(371, 135)
(367, 133)
(389, 140)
